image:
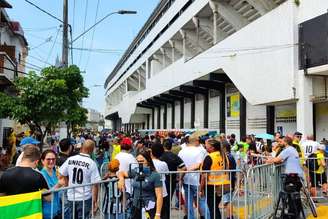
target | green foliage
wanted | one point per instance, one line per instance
(47, 99)
(297, 2)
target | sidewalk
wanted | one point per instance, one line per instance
(322, 213)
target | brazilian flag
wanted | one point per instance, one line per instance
(22, 206)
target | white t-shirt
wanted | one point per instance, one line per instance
(192, 155)
(80, 169)
(161, 166)
(309, 147)
(126, 160)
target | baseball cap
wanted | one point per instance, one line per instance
(114, 165)
(298, 133)
(126, 141)
(322, 147)
(29, 140)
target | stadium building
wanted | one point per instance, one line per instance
(239, 66)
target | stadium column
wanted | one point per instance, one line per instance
(304, 106)
(173, 115)
(193, 105)
(206, 106)
(153, 118)
(148, 121)
(159, 117)
(182, 113)
(270, 112)
(222, 111)
(165, 117)
(242, 116)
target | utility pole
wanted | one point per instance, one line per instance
(65, 34)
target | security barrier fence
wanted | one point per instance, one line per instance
(249, 194)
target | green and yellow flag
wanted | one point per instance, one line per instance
(22, 206)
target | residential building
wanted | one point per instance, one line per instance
(13, 53)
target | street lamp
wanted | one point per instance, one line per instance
(102, 19)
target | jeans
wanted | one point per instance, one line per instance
(191, 194)
(113, 216)
(79, 209)
(213, 202)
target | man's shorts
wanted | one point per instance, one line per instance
(317, 179)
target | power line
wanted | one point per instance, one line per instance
(41, 44)
(52, 47)
(44, 11)
(74, 3)
(31, 29)
(84, 26)
(40, 60)
(93, 34)
(33, 65)
(41, 38)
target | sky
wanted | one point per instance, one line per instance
(112, 36)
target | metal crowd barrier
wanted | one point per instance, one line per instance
(260, 197)
(80, 208)
(316, 182)
(253, 196)
(233, 200)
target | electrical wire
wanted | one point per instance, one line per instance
(93, 34)
(41, 44)
(52, 47)
(222, 50)
(38, 59)
(31, 29)
(41, 38)
(84, 26)
(44, 11)
(33, 65)
(74, 4)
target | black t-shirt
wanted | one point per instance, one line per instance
(207, 163)
(173, 161)
(61, 159)
(18, 180)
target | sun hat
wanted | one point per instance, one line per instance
(29, 140)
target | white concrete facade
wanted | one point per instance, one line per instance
(253, 43)
(13, 53)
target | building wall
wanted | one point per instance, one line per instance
(255, 119)
(187, 114)
(162, 117)
(199, 111)
(169, 116)
(177, 114)
(285, 116)
(155, 117)
(321, 121)
(214, 111)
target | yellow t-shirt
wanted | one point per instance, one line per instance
(320, 157)
(116, 150)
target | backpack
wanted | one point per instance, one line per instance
(312, 163)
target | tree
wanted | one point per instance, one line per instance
(44, 100)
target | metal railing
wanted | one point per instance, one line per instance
(253, 195)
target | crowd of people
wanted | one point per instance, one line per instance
(146, 174)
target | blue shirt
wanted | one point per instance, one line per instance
(291, 161)
(46, 206)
